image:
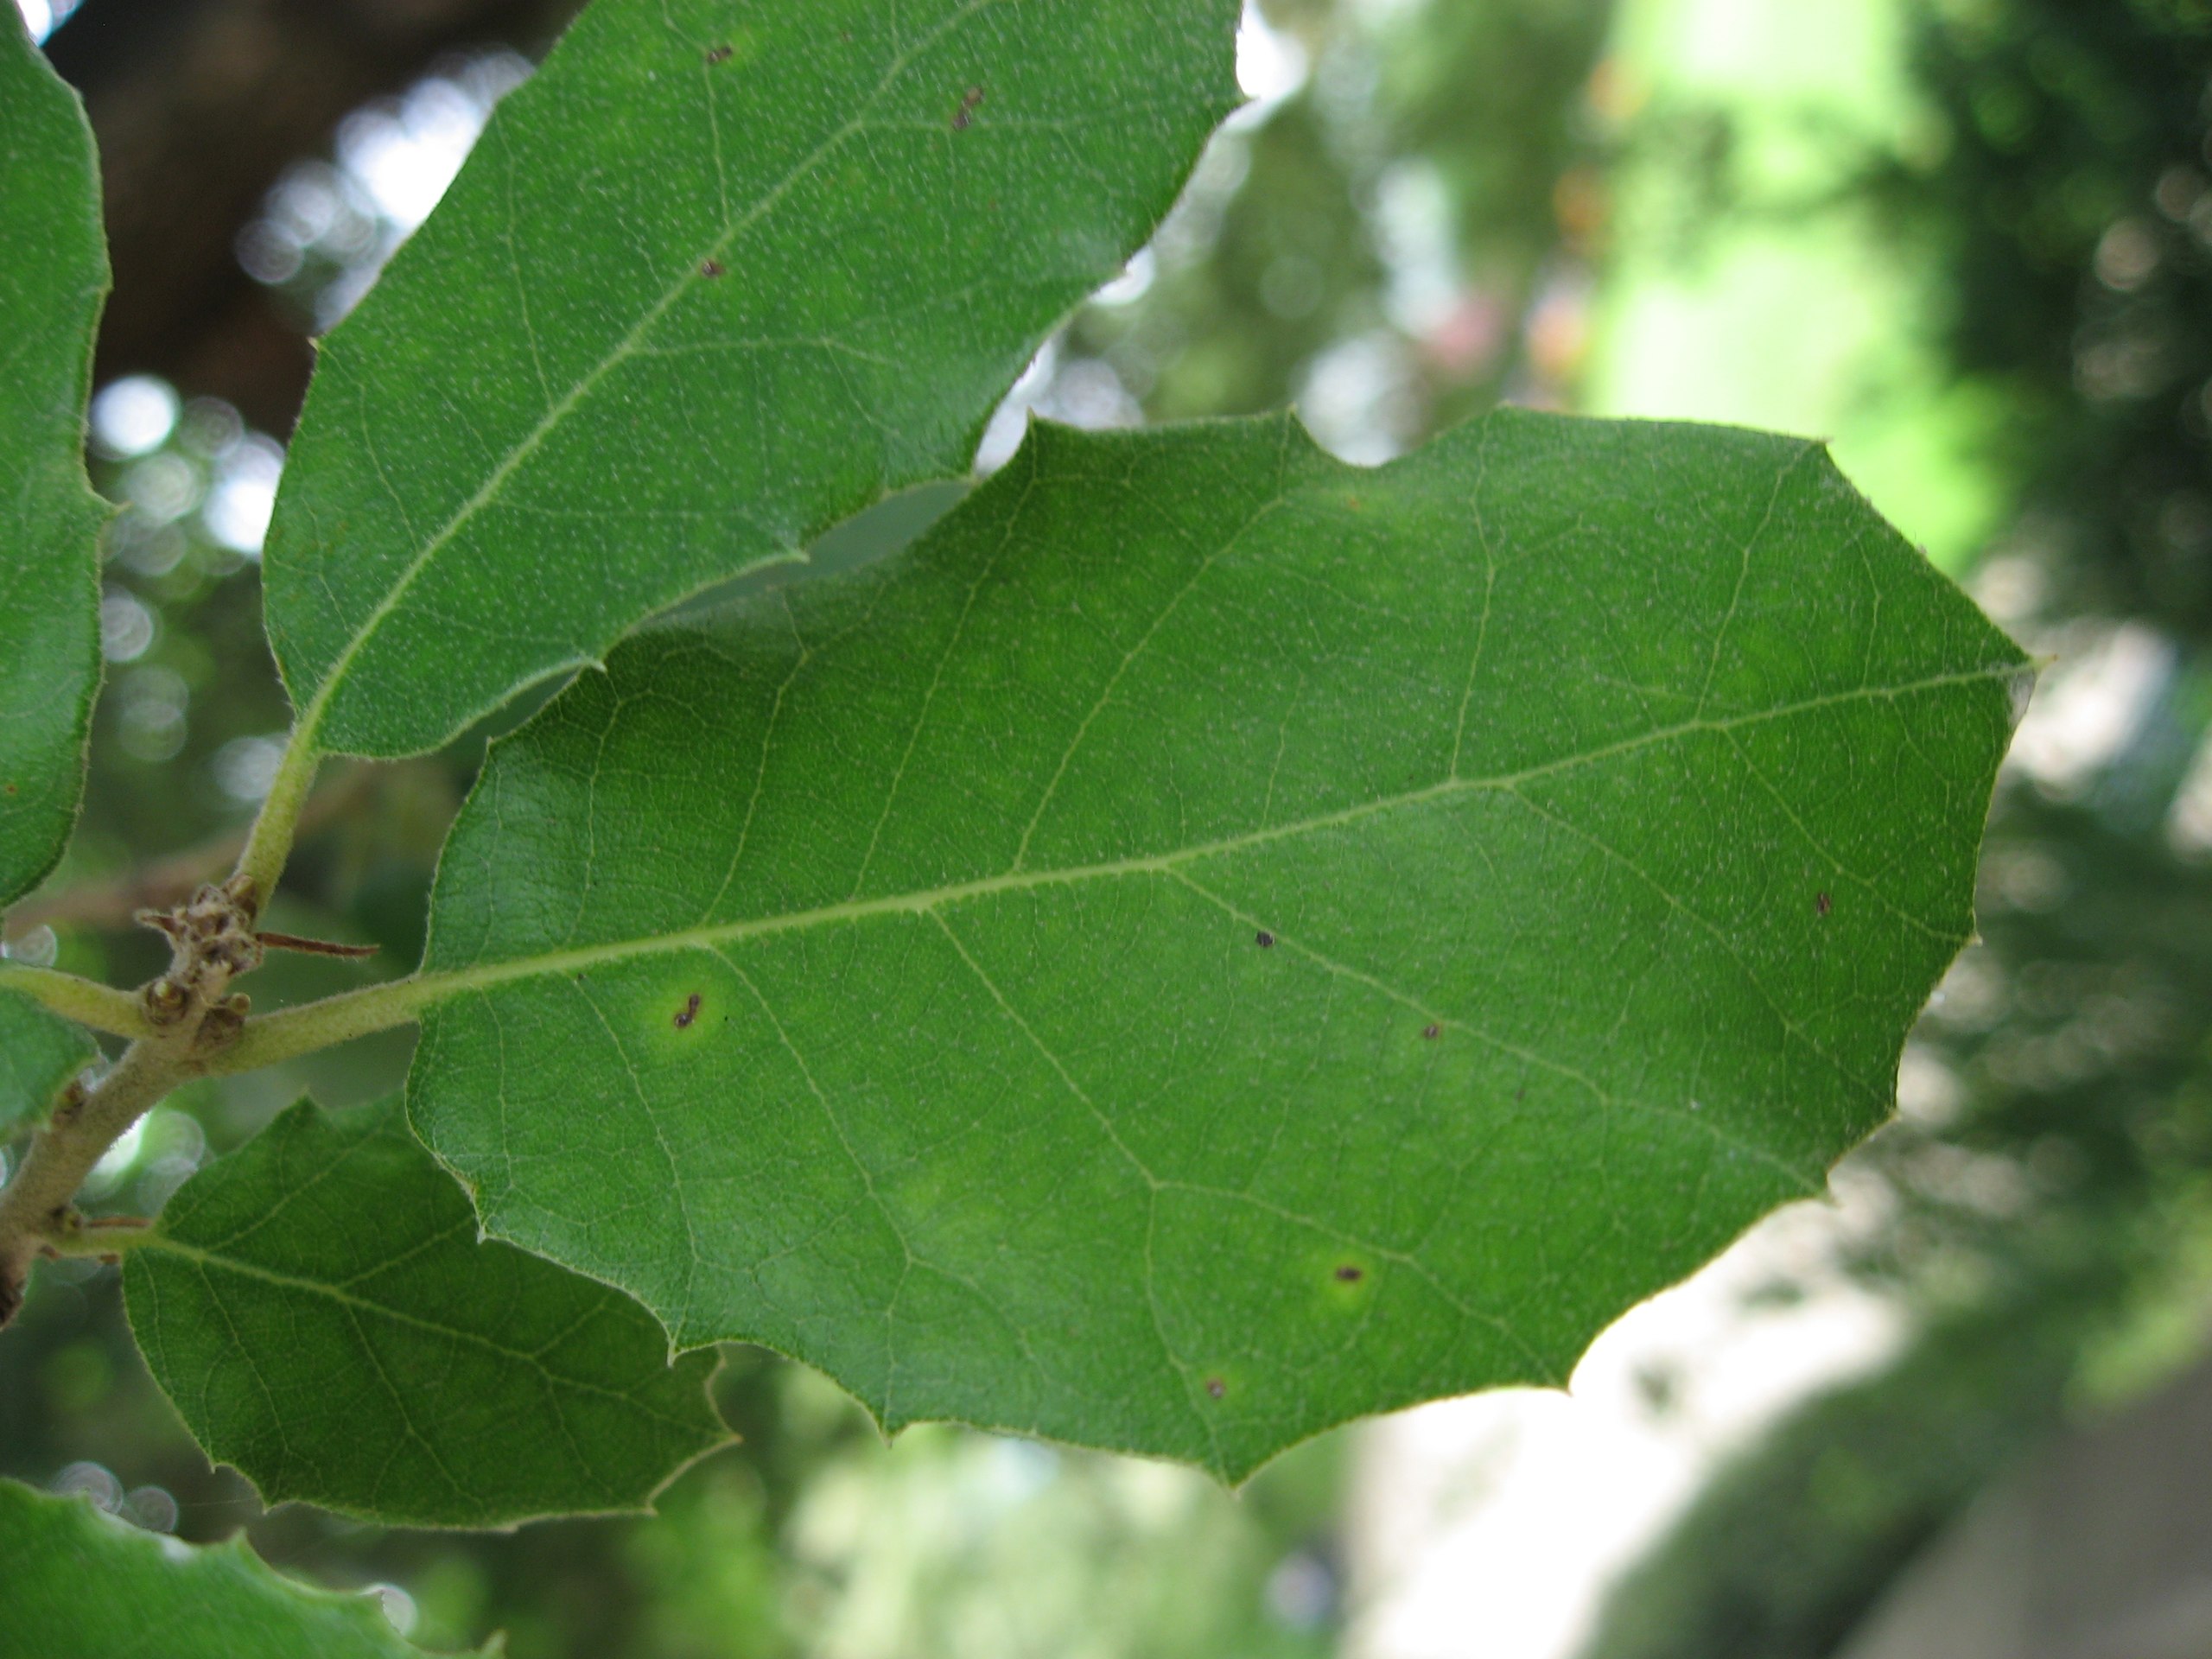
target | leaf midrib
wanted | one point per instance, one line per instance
(318, 706)
(431, 987)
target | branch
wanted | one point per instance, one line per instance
(36, 1212)
(188, 1016)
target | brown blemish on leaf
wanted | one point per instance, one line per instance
(1432, 1031)
(719, 54)
(1216, 1387)
(1349, 1275)
(688, 1013)
(1820, 905)
(970, 101)
(1263, 939)
(713, 268)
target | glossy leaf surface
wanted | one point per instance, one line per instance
(724, 272)
(317, 1307)
(81, 1583)
(1212, 942)
(49, 519)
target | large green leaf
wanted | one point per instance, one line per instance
(318, 1308)
(1212, 942)
(39, 1052)
(78, 1583)
(722, 273)
(53, 277)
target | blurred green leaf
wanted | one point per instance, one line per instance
(80, 1582)
(319, 1311)
(53, 278)
(39, 1052)
(1212, 942)
(720, 276)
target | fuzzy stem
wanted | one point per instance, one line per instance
(289, 1033)
(269, 844)
(88, 1003)
(188, 1018)
(36, 1217)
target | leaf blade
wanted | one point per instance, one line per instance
(49, 560)
(791, 216)
(80, 1581)
(1155, 966)
(318, 1310)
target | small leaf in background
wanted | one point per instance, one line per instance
(318, 1308)
(81, 1583)
(49, 557)
(720, 275)
(39, 1052)
(1212, 942)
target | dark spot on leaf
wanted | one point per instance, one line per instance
(12, 788)
(970, 101)
(1350, 1274)
(688, 1013)
(713, 268)
(1264, 938)
(1820, 904)
(1216, 1387)
(1432, 1031)
(719, 53)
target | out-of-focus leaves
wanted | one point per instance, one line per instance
(81, 1582)
(39, 1052)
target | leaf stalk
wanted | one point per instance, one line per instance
(88, 1003)
(289, 1033)
(269, 844)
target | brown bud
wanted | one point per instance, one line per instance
(239, 953)
(222, 1026)
(165, 1001)
(70, 1102)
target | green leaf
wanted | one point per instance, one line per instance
(39, 1052)
(319, 1310)
(81, 1582)
(724, 272)
(1213, 942)
(53, 277)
